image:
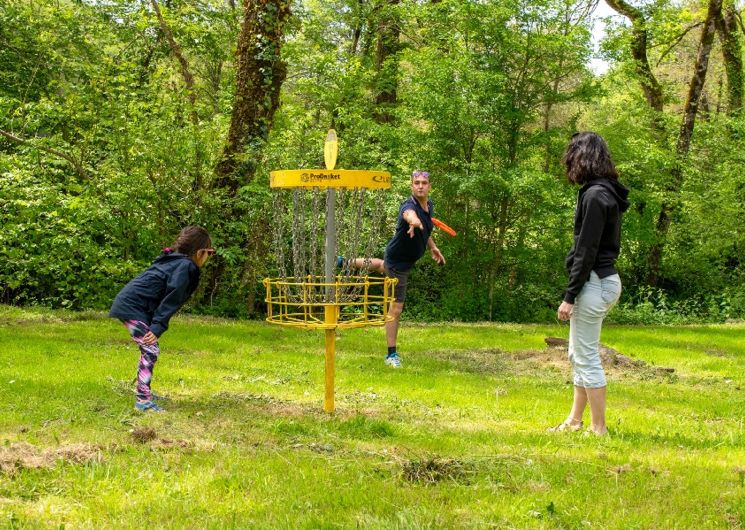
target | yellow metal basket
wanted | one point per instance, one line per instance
(357, 301)
(338, 298)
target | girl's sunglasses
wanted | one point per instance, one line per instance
(209, 251)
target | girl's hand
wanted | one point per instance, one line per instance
(565, 311)
(149, 338)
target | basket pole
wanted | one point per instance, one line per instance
(328, 401)
(330, 314)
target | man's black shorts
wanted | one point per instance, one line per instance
(399, 292)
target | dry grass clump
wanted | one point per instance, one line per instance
(23, 455)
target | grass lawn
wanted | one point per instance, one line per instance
(455, 439)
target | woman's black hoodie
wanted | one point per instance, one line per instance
(597, 233)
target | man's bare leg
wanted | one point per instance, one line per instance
(374, 264)
(391, 327)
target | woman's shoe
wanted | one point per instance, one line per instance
(599, 434)
(567, 426)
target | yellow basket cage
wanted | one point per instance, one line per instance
(360, 301)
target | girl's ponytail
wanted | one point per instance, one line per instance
(190, 240)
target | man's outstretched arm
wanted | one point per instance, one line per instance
(411, 217)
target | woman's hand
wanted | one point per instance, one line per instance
(565, 311)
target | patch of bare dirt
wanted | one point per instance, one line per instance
(23, 455)
(148, 435)
(165, 443)
(272, 406)
(612, 359)
(479, 361)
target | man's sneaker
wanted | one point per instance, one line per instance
(392, 359)
(147, 406)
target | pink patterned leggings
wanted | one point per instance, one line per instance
(148, 358)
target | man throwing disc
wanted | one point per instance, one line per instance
(408, 244)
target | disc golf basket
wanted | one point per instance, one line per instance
(320, 215)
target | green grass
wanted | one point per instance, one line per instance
(455, 439)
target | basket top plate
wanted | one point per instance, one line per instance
(330, 178)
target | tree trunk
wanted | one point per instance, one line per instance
(359, 23)
(260, 73)
(178, 53)
(683, 146)
(386, 61)
(647, 79)
(697, 81)
(259, 77)
(726, 24)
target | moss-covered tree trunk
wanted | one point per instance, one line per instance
(729, 35)
(386, 61)
(690, 111)
(260, 73)
(639, 35)
(653, 93)
(259, 76)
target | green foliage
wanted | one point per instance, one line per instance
(113, 158)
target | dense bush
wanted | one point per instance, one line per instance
(105, 157)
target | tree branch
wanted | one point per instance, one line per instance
(677, 40)
(627, 10)
(80, 170)
(176, 49)
(650, 85)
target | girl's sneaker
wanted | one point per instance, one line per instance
(147, 406)
(393, 360)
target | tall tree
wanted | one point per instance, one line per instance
(260, 74)
(639, 44)
(188, 78)
(386, 60)
(729, 36)
(653, 94)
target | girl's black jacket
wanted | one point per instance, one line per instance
(156, 294)
(597, 233)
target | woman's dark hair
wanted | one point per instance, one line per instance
(191, 239)
(587, 158)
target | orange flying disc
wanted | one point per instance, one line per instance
(445, 228)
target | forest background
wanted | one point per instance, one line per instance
(122, 121)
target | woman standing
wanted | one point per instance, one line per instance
(594, 285)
